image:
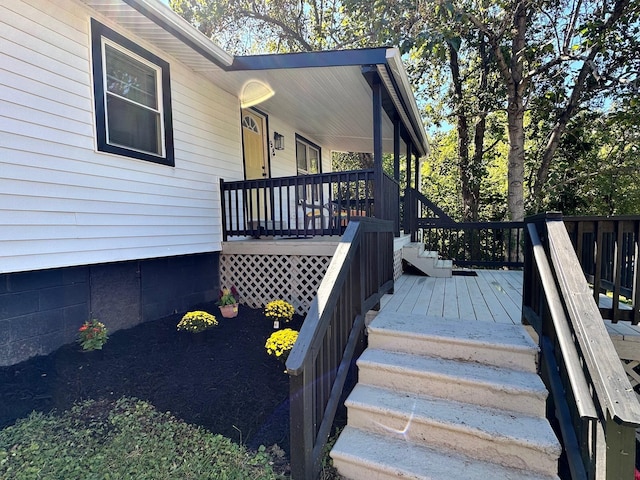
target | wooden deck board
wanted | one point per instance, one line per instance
(436, 304)
(496, 297)
(465, 307)
(451, 305)
(424, 296)
(488, 297)
(503, 282)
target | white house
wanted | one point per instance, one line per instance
(118, 120)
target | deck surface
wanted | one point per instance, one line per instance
(492, 296)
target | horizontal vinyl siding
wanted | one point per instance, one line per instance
(61, 202)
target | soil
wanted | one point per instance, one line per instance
(221, 379)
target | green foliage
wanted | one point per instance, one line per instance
(92, 335)
(125, 440)
(597, 169)
(197, 321)
(228, 296)
(441, 181)
(284, 25)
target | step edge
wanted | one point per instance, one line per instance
(453, 340)
(549, 446)
(349, 456)
(390, 367)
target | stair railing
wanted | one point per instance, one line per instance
(596, 408)
(321, 364)
(608, 251)
(467, 244)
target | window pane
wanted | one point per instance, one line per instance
(130, 125)
(313, 161)
(130, 78)
(301, 157)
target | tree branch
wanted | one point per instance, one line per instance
(574, 100)
(288, 31)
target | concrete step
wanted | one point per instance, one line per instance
(444, 264)
(426, 261)
(483, 385)
(508, 346)
(487, 434)
(368, 456)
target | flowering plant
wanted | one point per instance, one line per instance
(92, 335)
(228, 296)
(197, 321)
(280, 343)
(279, 310)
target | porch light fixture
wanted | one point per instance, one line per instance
(278, 141)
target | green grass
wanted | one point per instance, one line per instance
(124, 440)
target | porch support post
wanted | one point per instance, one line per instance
(417, 173)
(396, 149)
(409, 176)
(377, 148)
(398, 221)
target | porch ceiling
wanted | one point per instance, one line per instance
(332, 105)
(325, 96)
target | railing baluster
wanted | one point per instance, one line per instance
(636, 274)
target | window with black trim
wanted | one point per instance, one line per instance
(132, 98)
(308, 163)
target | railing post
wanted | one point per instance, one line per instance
(621, 450)
(527, 278)
(301, 429)
(378, 206)
(636, 275)
(223, 210)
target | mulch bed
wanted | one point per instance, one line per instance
(221, 379)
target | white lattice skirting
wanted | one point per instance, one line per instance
(397, 264)
(262, 278)
(632, 367)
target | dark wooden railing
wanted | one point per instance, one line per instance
(420, 213)
(390, 202)
(332, 337)
(305, 205)
(607, 248)
(467, 244)
(596, 408)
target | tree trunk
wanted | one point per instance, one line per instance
(515, 171)
(464, 166)
(480, 130)
(515, 116)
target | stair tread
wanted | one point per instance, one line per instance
(489, 423)
(443, 263)
(402, 459)
(414, 245)
(505, 337)
(496, 378)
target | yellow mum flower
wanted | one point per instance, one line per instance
(280, 343)
(279, 310)
(197, 321)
